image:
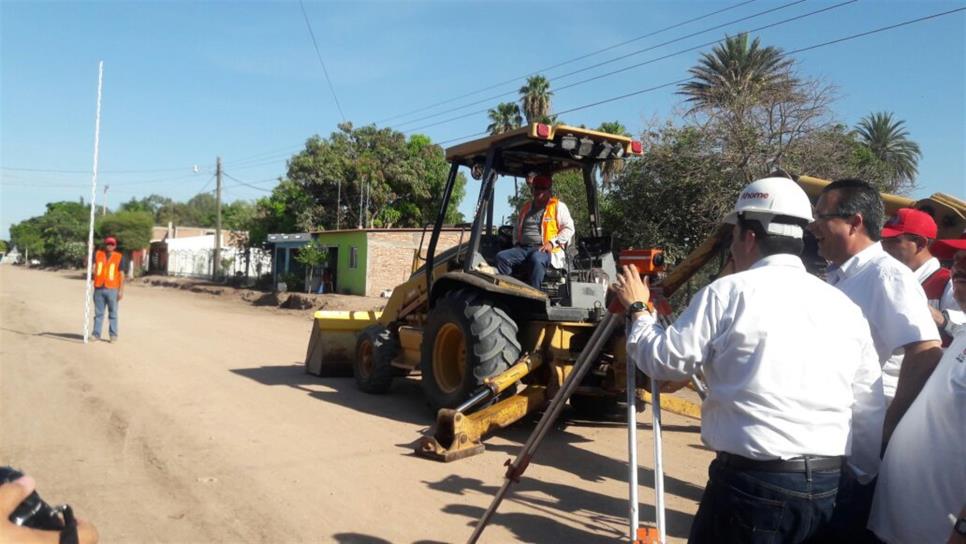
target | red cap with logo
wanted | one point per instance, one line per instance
(110, 241)
(542, 182)
(910, 221)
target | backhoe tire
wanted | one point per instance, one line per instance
(376, 347)
(466, 340)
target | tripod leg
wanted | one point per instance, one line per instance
(631, 387)
(516, 468)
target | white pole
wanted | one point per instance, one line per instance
(631, 387)
(90, 230)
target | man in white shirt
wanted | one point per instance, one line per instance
(848, 222)
(922, 482)
(907, 237)
(793, 378)
(847, 226)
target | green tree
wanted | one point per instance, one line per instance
(737, 72)
(312, 256)
(675, 195)
(535, 99)
(756, 110)
(367, 175)
(287, 209)
(4, 247)
(612, 167)
(888, 140)
(504, 118)
(237, 215)
(132, 229)
(27, 237)
(835, 152)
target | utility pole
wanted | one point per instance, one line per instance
(104, 205)
(217, 264)
(362, 194)
(338, 203)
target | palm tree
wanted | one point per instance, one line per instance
(888, 140)
(735, 71)
(612, 167)
(535, 98)
(505, 117)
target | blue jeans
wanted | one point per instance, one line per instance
(508, 259)
(741, 505)
(105, 297)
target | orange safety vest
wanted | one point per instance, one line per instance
(107, 271)
(548, 226)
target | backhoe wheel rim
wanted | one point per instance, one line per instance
(365, 358)
(449, 358)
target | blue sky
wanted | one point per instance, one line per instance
(185, 82)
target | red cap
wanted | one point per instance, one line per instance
(542, 182)
(946, 249)
(110, 240)
(910, 221)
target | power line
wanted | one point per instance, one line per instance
(207, 183)
(319, 55)
(57, 171)
(799, 50)
(626, 68)
(570, 61)
(245, 183)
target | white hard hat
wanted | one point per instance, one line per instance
(766, 198)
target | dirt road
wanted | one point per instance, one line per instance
(201, 426)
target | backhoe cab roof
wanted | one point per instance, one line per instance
(545, 149)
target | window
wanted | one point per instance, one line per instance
(353, 257)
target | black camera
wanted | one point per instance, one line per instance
(33, 512)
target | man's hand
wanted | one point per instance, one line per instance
(120, 295)
(547, 247)
(11, 495)
(630, 287)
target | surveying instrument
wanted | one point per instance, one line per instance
(648, 263)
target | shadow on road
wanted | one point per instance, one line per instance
(603, 517)
(561, 449)
(66, 336)
(403, 403)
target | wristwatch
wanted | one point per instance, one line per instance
(636, 307)
(960, 526)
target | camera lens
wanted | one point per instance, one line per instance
(33, 511)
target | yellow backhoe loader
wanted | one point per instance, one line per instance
(489, 347)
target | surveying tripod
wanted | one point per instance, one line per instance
(516, 467)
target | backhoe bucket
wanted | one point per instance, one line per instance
(332, 344)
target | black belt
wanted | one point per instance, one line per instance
(806, 463)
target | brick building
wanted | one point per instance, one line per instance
(361, 261)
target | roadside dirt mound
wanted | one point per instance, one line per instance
(288, 301)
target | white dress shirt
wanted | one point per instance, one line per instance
(892, 301)
(923, 476)
(788, 360)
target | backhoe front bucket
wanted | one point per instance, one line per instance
(332, 344)
(460, 435)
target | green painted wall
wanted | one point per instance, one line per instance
(350, 281)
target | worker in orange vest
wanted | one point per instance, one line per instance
(543, 231)
(108, 286)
